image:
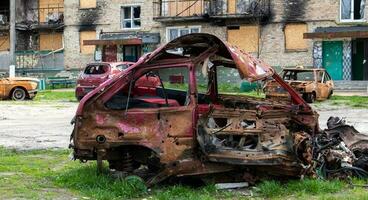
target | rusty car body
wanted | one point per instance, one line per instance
(18, 88)
(189, 133)
(312, 84)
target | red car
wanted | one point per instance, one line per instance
(95, 74)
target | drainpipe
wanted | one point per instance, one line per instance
(12, 37)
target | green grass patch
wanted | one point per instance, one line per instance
(55, 95)
(351, 101)
(49, 174)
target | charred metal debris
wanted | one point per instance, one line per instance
(161, 133)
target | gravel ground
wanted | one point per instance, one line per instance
(36, 125)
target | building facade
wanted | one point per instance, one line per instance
(39, 28)
(68, 34)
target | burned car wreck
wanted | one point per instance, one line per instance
(189, 132)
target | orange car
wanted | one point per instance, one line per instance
(18, 88)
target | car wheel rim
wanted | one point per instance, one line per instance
(18, 94)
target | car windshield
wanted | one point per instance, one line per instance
(122, 67)
(299, 75)
(96, 69)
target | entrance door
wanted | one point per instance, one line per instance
(332, 58)
(360, 58)
(131, 53)
(110, 53)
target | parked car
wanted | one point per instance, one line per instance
(181, 132)
(312, 84)
(18, 88)
(96, 73)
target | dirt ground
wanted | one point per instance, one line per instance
(43, 125)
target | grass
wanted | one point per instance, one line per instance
(350, 101)
(49, 174)
(55, 95)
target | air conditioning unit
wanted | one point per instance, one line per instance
(3, 19)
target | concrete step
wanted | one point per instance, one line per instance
(351, 85)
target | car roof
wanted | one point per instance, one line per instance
(110, 63)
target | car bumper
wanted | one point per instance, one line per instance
(81, 91)
(32, 93)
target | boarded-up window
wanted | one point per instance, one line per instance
(50, 10)
(87, 4)
(51, 41)
(231, 6)
(87, 35)
(294, 37)
(182, 8)
(4, 43)
(244, 37)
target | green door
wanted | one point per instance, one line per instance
(332, 58)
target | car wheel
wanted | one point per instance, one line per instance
(310, 97)
(19, 94)
(329, 96)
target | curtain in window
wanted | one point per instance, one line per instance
(362, 7)
(345, 9)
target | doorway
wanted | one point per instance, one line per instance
(332, 58)
(110, 53)
(131, 53)
(359, 59)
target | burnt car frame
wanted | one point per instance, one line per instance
(312, 84)
(187, 133)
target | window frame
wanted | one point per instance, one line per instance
(351, 14)
(122, 16)
(181, 28)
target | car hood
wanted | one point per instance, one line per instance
(23, 79)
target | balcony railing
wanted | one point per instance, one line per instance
(202, 9)
(48, 15)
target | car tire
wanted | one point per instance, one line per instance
(329, 96)
(310, 97)
(19, 94)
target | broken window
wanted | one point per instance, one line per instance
(167, 87)
(175, 32)
(96, 69)
(351, 10)
(131, 17)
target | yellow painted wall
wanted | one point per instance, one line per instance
(231, 6)
(87, 4)
(47, 7)
(246, 38)
(179, 8)
(51, 41)
(4, 43)
(294, 37)
(87, 35)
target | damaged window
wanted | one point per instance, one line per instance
(352, 10)
(131, 17)
(299, 75)
(166, 87)
(175, 32)
(96, 69)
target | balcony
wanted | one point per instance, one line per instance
(46, 17)
(184, 10)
